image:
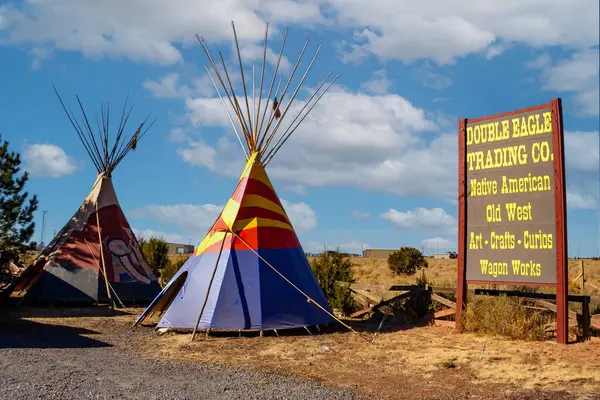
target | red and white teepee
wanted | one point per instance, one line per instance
(95, 257)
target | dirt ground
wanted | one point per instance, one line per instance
(408, 363)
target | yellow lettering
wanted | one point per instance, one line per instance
(518, 213)
(492, 213)
(504, 241)
(537, 241)
(505, 129)
(540, 152)
(483, 187)
(515, 125)
(497, 158)
(469, 135)
(529, 268)
(547, 121)
(526, 184)
(524, 130)
(476, 241)
(493, 268)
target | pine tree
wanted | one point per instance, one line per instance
(16, 208)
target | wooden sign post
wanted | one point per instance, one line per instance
(512, 204)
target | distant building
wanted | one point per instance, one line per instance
(176, 248)
(377, 253)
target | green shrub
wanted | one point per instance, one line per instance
(156, 253)
(406, 261)
(332, 267)
(171, 269)
(506, 316)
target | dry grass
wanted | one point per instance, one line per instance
(388, 365)
(443, 273)
(376, 271)
(506, 316)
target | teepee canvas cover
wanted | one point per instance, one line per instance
(245, 292)
(249, 272)
(74, 267)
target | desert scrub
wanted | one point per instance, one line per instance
(330, 268)
(506, 316)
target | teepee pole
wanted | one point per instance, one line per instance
(100, 268)
(112, 305)
(264, 134)
(230, 97)
(212, 277)
(237, 45)
(262, 78)
(287, 84)
(319, 86)
(278, 145)
(274, 131)
(253, 108)
(273, 79)
(237, 106)
(228, 113)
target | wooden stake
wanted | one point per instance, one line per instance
(112, 305)
(582, 286)
(209, 286)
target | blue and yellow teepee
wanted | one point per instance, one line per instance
(249, 272)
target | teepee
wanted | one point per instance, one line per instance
(95, 257)
(249, 272)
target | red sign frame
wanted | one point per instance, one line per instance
(561, 284)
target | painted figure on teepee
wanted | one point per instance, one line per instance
(74, 267)
(250, 271)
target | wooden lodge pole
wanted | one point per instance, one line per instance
(112, 305)
(209, 286)
(582, 286)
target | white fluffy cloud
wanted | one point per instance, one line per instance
(581, 151)
(578, 201)
(169, 237)
(302, 217)
(430, 220)
(47, 160)
(193, 221)
(189, 218)
(443, 31)
(407, 30)
(579, 75)
(379, 84)
(171, 87)
(141, 30)
(370, 142)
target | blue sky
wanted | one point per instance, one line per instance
(375, 165)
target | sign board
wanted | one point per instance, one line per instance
(512, 218)
(511, 224)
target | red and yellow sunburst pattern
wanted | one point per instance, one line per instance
(254, 213)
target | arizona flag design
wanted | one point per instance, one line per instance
(245, 292)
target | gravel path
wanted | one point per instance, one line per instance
(45, 361)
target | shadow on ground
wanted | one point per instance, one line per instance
(23, 334)
(11, 310)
